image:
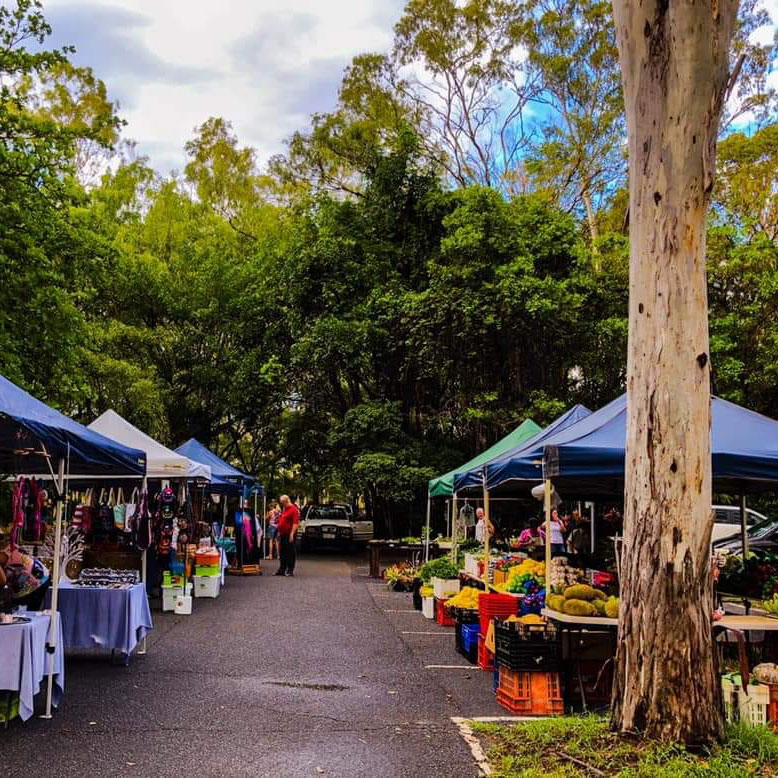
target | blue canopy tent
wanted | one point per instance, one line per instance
(225, 479)
(32, 435)
(588, 458)
(501, 466)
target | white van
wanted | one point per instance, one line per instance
(726, 521)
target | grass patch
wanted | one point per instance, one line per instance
(580, 746)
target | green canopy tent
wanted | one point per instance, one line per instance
(443, 485)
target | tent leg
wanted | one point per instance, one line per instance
(427, 538)
(55, 573)
(143, 574)
(487, 537)
(547, 501)
(454, 528)
(591, 527)
(264, 525)
(743, 526)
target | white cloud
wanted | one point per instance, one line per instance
(265, 65)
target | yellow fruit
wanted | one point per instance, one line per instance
(579, 608)
(555, 601)
(612, 607)
(580, 592)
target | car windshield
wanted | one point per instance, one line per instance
(763, 529)
(323, 513)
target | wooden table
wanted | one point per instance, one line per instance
(376, 546)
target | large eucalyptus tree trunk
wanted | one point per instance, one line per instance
(674, 63)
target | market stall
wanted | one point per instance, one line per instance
(443, 485)
(227, 481)
(174, 526)
(33, 439)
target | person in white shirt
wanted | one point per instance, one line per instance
(480, 527)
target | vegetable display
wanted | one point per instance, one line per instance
(438, 568)
(584, 600)
(467, 599)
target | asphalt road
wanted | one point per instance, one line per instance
(325, 673)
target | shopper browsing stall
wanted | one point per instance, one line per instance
(288, 522)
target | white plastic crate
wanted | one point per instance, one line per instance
(471, 564)
(750, 708)
(754, 707)
(445, 587)
(428, 607)
(184, 604)
(206, 586)
(169, 596)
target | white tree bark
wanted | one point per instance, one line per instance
(674, 61)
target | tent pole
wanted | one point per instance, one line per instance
(743, 527)
(143, 562)
(591, 527)
(264, 522)
(427, 538)
(448, 518)
(487, 536)
(547, 501)
(454, 528)
(51, 646)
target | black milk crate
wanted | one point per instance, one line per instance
(465, 615)
(471, 655)
(521, 647)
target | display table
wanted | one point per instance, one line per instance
(23, 660)
(114, 619)
(376, 546)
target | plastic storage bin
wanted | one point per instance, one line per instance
(428, 607)
(184, 604)
(206, 586)
(445, 587)
(442, 615)
(210, 571)
(527, 647)
(169, 596)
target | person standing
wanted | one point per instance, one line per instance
(272, 531)
(288, 522)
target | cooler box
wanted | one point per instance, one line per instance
(208, 559)
(206, 586)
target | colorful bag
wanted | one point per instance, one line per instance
(120, 512)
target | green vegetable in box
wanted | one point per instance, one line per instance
(580, 592)
(438, 568)
(579, 608)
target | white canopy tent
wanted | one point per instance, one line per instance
(161, 462)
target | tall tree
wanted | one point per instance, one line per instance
(675, 72)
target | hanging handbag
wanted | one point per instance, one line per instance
(131, 512)
(119, 511)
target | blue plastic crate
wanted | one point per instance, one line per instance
(470, 636)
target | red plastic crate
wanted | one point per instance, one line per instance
(772, 708)
(442, 616)
(485, 656)
(492, 606)
(531, 693)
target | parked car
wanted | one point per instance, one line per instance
(762, 537)
(333, 525)
(726, 521)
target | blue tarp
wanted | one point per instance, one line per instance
(224, 477)
(500, 467)
(744, 447)
(31, 433)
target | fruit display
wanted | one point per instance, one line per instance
(466, 599)
(584, 600)
(427, 591)
(563, 574)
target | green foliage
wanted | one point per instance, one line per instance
(544, 747)
(438, 568)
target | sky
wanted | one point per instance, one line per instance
(264, 65)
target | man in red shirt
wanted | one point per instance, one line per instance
(288, 522)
